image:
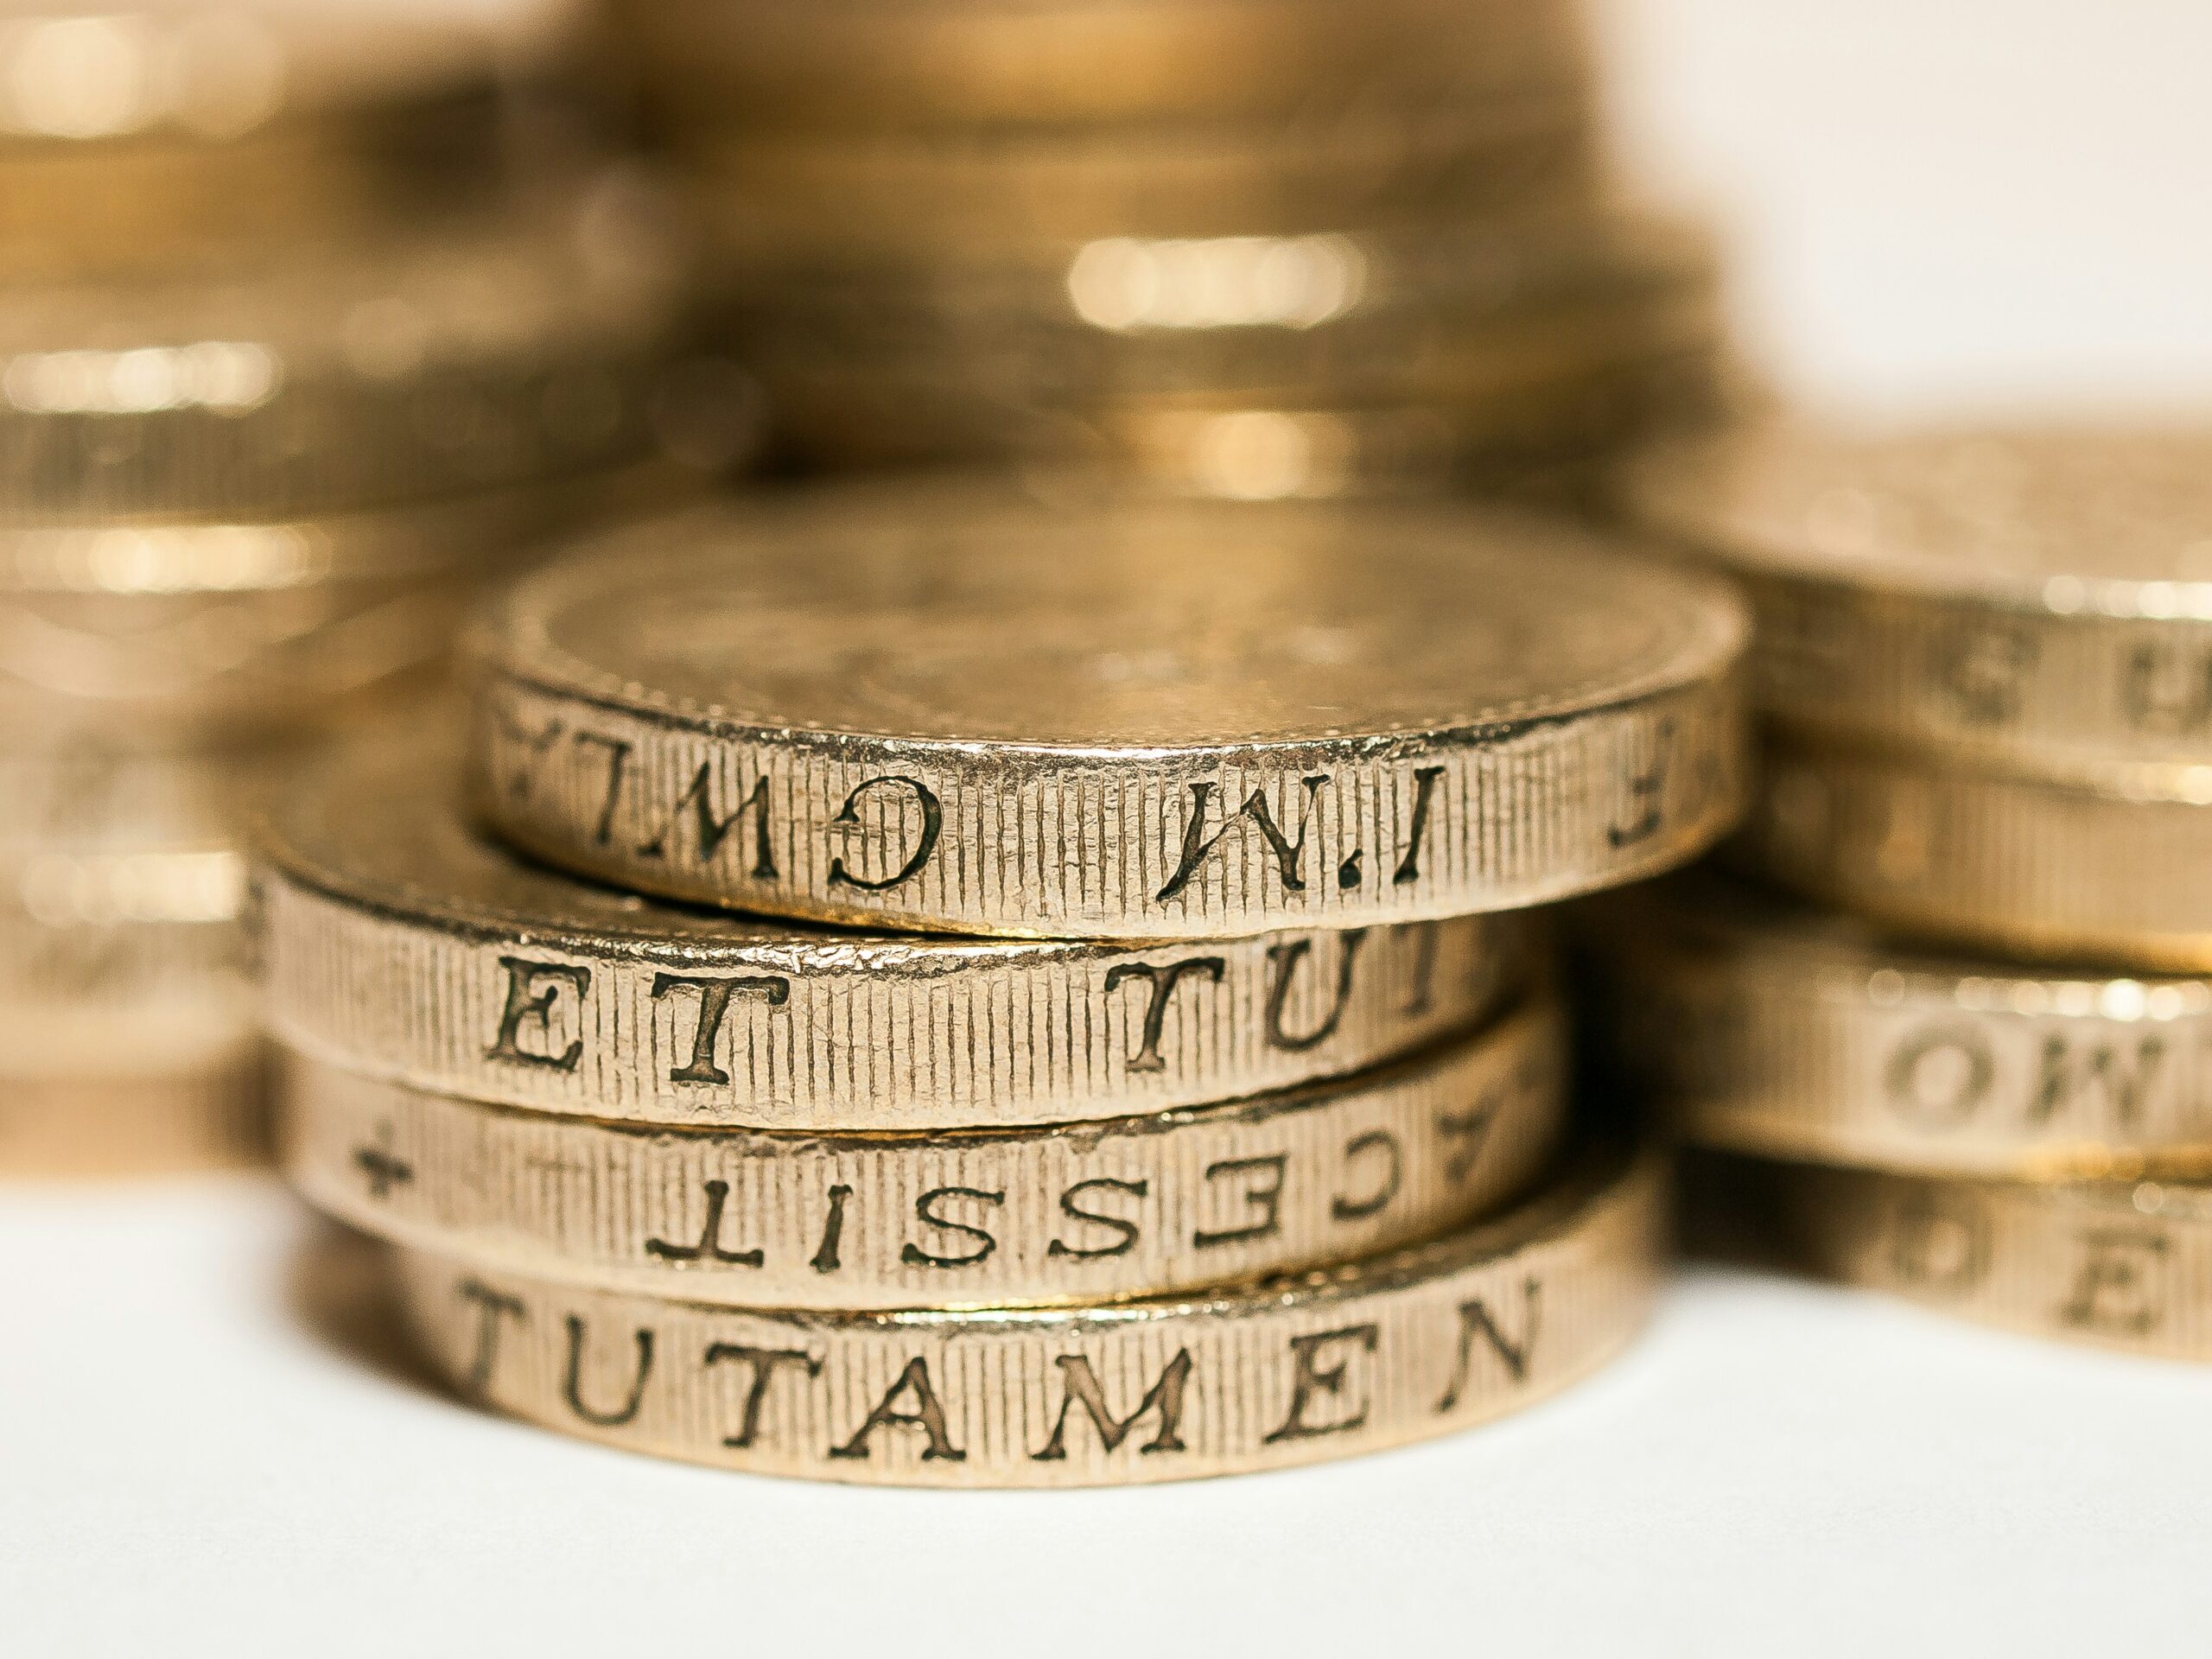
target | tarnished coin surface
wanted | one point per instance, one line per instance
(2041, 596)
(1763, 1026)
(2116, 1264)
(2112, 866)
(974, 1218)
(398, 941)
(1400, 1347)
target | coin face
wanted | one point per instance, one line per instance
(1058, 689)
(2041, 597)
(398, 941)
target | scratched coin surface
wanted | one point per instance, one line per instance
(973, 1218)
(2115, 1264)
(1764, 1026)
(946, 708)
(2041, 596)
(860, 63)
(1400, 1347)
(2110, 866)
(397, 940)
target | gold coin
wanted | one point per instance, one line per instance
(143, 137)
(951, 710)
(2116, 1264)
(799, 203)
(2112, 866)
(794, 63)
(2041, 597)
(396, 941)
(971, 1218)
(184, 632)
(335, 379)
(1765, 1027)
(1333, 1364)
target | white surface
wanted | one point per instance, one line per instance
(1942, 203)
(188, 1467)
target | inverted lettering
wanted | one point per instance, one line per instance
(714, 996)
(932, 827)
(1079, 1386)
(617, 751)
(826, 1258)
(928, 1415)
(761, 1363)
(1282, 969)
(572, 1379)
(528, 1005)
(1161, 982)
(1938, 1243)
(1128, 1232)
(1980, 668)
(1265, 1199)
(710, 1247)
(1311, 1377)
(1289, 856)
(536, 745)
(2166, 693)
(926, 1210)
(1420, 996)
(710, 828)
(1384, 1145)
(1466, 1134)
(1647, 792)
(1409, 870)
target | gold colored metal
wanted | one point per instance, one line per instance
(858, 63)
(167, 633)
(398, 942)
(2113, 866)
(339, 378)
(956, 1218)
(1329, 1365)
(144, 137)
(1766, 1027)
(949, 710)
(2113, 1264)
(801, 203)
(2041, 597)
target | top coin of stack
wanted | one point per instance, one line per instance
(1239, 247)
(1238, 1114)
(293, 360)
(1983, 661)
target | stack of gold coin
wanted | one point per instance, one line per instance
(923, 986)
(1965, 1053)
(291, 360)
(1243, 248)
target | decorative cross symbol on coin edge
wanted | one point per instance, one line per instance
(383, 1170)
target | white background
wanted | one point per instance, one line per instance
(1932, 203)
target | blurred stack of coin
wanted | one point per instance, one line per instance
(291, 356)
(1964, 1058)
(1194, 1099)
(1240, 248)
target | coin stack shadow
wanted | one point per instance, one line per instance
(1241, 248)
(1207, 1112)
(293, 357)
(1962, 1063)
